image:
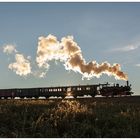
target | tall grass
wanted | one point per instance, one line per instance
(113, 117)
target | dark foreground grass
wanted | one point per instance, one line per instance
(100, 117)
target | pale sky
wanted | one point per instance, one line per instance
(104, 32)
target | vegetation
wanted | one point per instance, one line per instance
(91, 117)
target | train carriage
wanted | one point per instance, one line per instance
(6, 93)
(80, 90)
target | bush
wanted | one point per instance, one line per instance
(73, 118)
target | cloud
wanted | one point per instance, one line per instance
(9, 49)
(39, 73)
(29, 57)
(138, 65)
(68, 52)
(21, 66)
(42, 75)
(126, 48)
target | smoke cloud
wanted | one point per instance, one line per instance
(9, 49)
(21, 66)
(68, 52)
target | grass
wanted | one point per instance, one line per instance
(85, 118)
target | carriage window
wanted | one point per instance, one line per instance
(54, 89)
(78, 88)
(69, 89)
(87, 88)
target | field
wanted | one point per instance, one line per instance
(86, 118)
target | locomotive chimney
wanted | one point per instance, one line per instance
(127, 83)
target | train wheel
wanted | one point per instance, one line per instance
(75, 96)
(92, 95)
(47, 97)
(112, 96)
(63, 97)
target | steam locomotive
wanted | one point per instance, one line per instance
(116, 90)
(79, 90)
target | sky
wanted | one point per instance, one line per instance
(103, 31)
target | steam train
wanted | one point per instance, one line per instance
(80, 90)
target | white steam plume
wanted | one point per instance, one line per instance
(9, 49)
(21, 66)
(68, 52)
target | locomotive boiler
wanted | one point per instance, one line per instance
(116, 90)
